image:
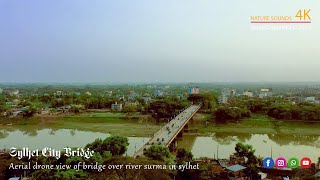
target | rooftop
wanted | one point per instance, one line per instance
(236, 168)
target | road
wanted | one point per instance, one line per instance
(169, 132)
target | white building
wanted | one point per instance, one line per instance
(310, 99)
(116, 107)
(266, 92)
(58, 93)
(14, 93)
(248, 93)
(1, 90)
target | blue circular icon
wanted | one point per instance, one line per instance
(268, 163)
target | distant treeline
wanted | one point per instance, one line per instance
(277, 108)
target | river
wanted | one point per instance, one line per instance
(218, 145)
(221, 145)
(58, 139)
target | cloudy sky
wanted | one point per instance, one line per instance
(154, 41)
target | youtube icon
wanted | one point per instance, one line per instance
(305, 162)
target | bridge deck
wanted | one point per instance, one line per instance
(169, 132)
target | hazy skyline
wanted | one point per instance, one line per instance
(148, 41)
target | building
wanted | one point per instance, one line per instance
(121, 97)
(310, 99)
(146, 98)
(233, 92)
(116, 107)
(109, 93)
(59, 93)
(194, 90)
(266, 92)
(223, 99)
(225, 94)
(158, 93)
(248, 93)
(14, 93)
(133, 96)
(1, 90)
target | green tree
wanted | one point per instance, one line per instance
(183, 156)
(157, 152)
(3, 106)
(30, 111)
(129, 108)
(208, 100)
(75, 109)
(96, 146)
(225, 113)
(166, 108)
(71, 174)
(247, 151)
(116, 145)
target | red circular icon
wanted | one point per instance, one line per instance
(305, 162)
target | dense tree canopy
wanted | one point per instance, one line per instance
(225, 113)
(310, 112)
(183, 156)
(277, 108)
(166, 107)
(208, 100)
(116, 145)
(247, 151)
(157, 152)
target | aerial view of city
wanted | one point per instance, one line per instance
(159, 90)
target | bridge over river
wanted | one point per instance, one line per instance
(168, 134)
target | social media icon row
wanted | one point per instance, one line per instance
(282, 163)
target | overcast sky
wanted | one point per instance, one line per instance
(154, 41)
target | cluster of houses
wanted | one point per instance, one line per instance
(299, 99)
(235, 169)
(132, 99)
(226, 94)
(229, 93)
(20, 112)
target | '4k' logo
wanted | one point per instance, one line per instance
(303, 14)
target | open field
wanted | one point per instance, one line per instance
(258, 124)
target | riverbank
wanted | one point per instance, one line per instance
(139, 125)
(105, 122)
(257, 124)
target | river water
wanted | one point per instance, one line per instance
(218, 145)
(58, 139)
(221, 145)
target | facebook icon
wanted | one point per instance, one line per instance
(268, 163)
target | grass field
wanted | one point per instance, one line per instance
(257, 124)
